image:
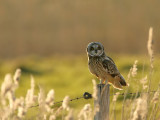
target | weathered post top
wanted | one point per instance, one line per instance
(102, 102)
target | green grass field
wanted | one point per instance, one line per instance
(69, 75)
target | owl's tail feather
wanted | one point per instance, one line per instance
(122, 81)
(118, 81)
(115, 82)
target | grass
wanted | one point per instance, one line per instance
(70, 76)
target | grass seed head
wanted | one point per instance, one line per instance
(7, 85)
(144, 81)
(50, 97)
(134, 69)
(16, 76)
(65, 103)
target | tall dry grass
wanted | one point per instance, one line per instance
(139, 106)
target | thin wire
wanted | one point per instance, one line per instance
(131, 93)
(87, 95)
(59, 101)
(69, 100)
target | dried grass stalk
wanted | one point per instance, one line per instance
(85, 113)
(150, 45)
(141, 110)
(134, 69)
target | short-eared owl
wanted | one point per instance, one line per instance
(103, 66)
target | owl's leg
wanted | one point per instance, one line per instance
(101, 81)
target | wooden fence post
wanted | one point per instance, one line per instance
(102, 101)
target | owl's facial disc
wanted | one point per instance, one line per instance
(95, 49)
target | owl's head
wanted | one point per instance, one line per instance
(95, 49)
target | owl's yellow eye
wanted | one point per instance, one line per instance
(91, 48)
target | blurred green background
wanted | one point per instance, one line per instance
(48, 39)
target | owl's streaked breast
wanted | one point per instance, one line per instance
(96, 67)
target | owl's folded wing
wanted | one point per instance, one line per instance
(112, 70)
(110, 67)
